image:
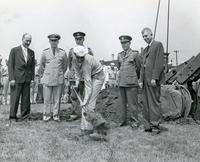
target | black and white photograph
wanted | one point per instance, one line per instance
(99, 81)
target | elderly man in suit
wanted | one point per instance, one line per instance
(21, 68)
(129, 68)
(53, 64)
(152, 73)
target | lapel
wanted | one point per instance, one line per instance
(28, 54)
(149, 49)
(20, 53)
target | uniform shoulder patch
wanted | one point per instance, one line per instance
(120, 53)
(61, 49)
(45, 49)
(135, 51)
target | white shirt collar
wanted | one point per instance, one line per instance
(25, 49)
(150, 43)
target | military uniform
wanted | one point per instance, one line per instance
(74, 78)
(129, 65)
(34, 87)
(53, 68)
(112, 74)
(5, 83)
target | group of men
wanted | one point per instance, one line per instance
(146, 74)
(55, 66)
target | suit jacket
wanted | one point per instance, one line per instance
(18, 69)
(153, 63)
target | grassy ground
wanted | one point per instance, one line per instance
(37, 141)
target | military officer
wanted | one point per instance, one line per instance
(112, 73)
(53, 65)
(79, 39)
(129, 65)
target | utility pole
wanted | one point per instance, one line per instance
(176, 52)
(113, 57)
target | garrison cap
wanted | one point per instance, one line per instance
(54, 37)
(125, 38)
(78, 34)
(80, 51)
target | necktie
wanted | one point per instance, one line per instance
(25, 54)
(54, 51)
(148, 47)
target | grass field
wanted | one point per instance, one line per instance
(37, 141)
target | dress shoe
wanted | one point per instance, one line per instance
(122, 124)
(56, 118)
(135, 125)
(24, 118)
(46, 118)
(96, 136)
(148, 130)
(156, 130)
(13, 119)
(72, 117)
(86, 132)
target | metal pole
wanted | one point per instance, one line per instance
(176, 52)
(157, 19)
(167, 50)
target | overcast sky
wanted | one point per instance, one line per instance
(103, 21)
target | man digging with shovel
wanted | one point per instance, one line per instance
(91, 71)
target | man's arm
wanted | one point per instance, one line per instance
(33, 67)
(138, 62)
(70, 57)
(11, 65)
(42, 64)
(65, 63)
(159, 62)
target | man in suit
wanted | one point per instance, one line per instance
(152, 73)
(21, 65)
(53, 64)
(129, 67)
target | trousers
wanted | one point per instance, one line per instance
(52, 94)
(90, 106)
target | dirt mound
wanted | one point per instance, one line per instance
(109, 104)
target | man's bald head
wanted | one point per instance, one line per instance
(147, 35)
(26, 40)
